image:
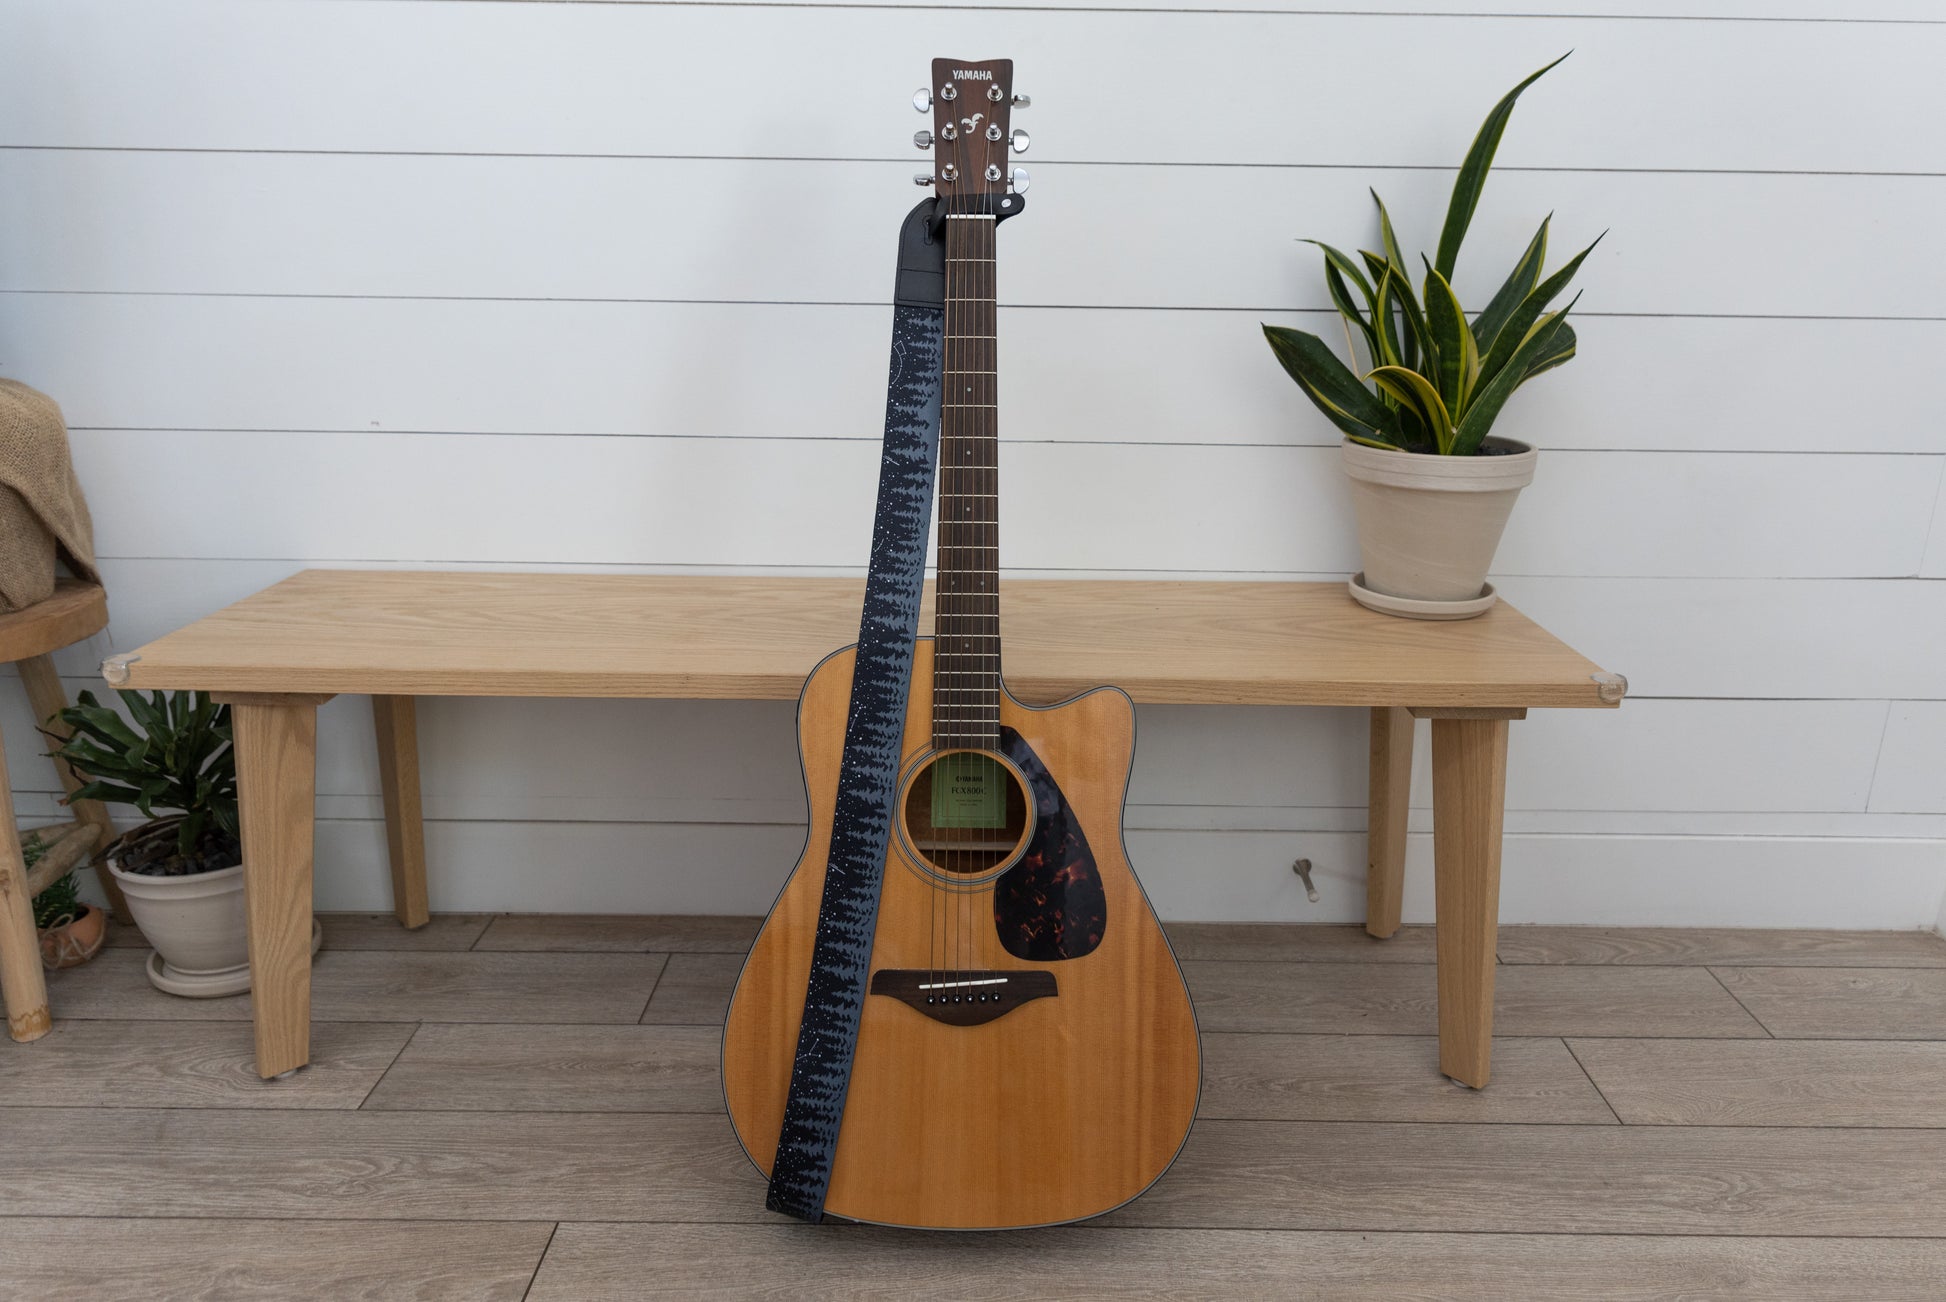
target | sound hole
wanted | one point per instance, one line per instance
(966, 813)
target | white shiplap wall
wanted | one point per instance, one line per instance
(603, 285)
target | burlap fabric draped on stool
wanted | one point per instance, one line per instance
(41, 507)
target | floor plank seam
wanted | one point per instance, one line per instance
(413, 1035)
(1592, 1083)
(1714, 976)
(540, 1261)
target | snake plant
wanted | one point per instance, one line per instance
(1439, 378)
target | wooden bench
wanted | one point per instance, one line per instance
(396, 635)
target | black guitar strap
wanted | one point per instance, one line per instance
(874, 726)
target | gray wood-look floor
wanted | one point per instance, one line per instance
(528, 1107)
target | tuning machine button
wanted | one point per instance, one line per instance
(922, 140)
(1019, 179)
(1020, 141)
(922, 100)
(1023, 101)
(922, 178)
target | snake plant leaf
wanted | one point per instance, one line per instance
(1344, 264)
(1493, 394)
(1520, 322)
(1472, 178)
(1385, 325)
(1562, 350)
(1330, 386)
(1416, 391)
(1453, 348)
(1391, 241)
(1341, 299)
(1518, 285)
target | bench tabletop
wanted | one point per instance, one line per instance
(415, 633)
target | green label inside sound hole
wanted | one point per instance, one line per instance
(968, 791)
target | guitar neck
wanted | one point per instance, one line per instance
(966, 621)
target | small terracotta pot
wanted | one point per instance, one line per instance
(75, 941)
(1428, 525)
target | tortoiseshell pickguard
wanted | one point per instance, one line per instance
(1050, 905)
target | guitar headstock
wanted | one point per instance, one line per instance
(972, 131)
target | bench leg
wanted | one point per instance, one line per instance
(277, 754)
(1391, 797)
(396, 720)
(45, 695)
(22, 982)
(1469, 788)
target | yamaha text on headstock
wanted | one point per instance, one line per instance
(1026, 1054)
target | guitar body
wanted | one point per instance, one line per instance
(1061, 1100)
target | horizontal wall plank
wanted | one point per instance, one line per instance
(568, 79)
(1911, 772)
(606, 229)
(621, 1263)
(129, 361)
(694, 502)
(1768, 1082)
(89, 1256)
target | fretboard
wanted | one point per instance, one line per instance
(966, 622)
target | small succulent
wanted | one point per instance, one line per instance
(1439, 379)
(177, 756)
(60, 901)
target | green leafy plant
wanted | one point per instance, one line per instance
(60, 901)
(1439, 378)
(177, 756)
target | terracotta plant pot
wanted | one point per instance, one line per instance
(74, 942)
(1428, 526)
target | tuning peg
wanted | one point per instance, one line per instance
(1023, 101)
(1019, 179)
(1021, 140)
(922, 140)
(922, 100)
(922, 178)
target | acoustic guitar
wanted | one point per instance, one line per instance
(1027, 1054)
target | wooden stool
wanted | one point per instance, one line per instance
(76, 610)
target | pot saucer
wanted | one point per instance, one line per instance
(211, 985)
(1412, 608)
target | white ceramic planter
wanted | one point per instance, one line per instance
(198, 927)
(1428, 525)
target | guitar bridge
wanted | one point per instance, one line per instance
(963, 998)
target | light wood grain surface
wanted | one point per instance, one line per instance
(470, 634)
(606, 1263)
(92, 1258)
(1625, 1150)
(1718, 946)
(1769, 1082)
